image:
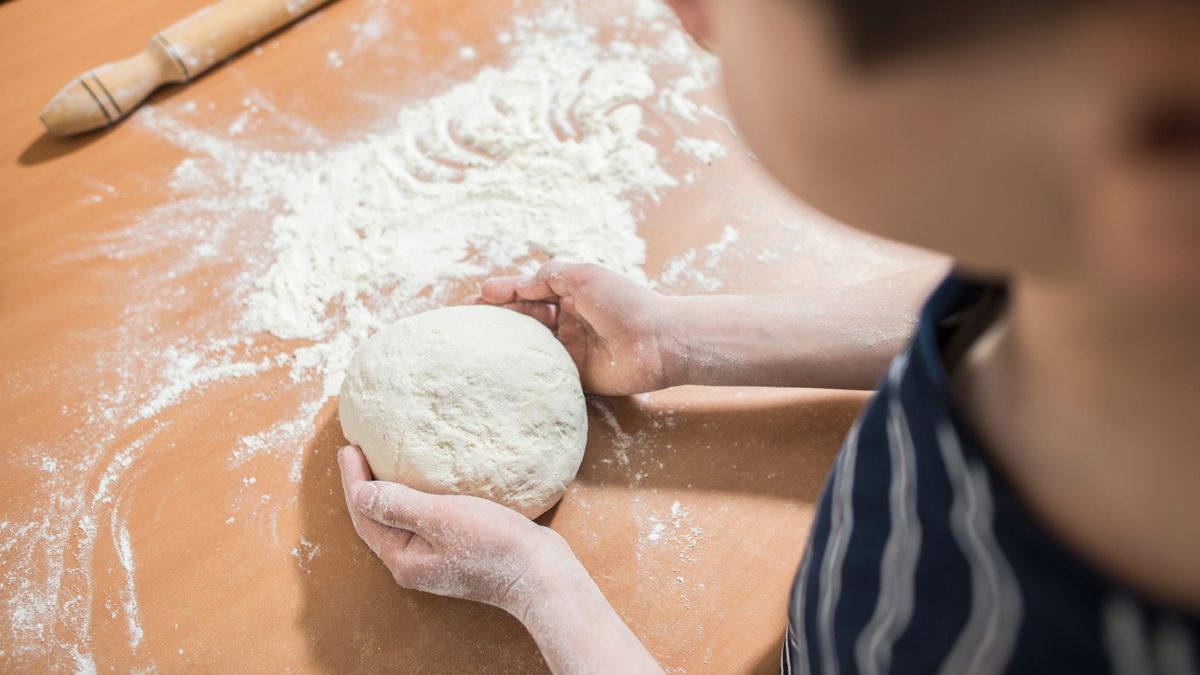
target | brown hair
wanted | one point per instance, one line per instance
(877, 30)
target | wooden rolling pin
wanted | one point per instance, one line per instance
(104, 95)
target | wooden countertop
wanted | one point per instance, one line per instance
(136, 543)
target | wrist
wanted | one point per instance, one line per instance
(552, 575)
(572, 623)
(672, 339)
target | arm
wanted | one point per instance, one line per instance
(628, 339)
(471, 548)
(841, 339)
(577, 630)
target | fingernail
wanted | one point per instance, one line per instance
(364, 495)
(343, 456)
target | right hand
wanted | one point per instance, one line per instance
(615, 330)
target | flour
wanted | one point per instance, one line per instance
(369, 32)
(537, 159)
(622, 441)
(124, 548)
(707, 151)
(190, 370)
(304, 552)
(696, 269)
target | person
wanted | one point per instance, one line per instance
(1020, 494)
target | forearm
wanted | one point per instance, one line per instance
(578, 631)
(830, 340)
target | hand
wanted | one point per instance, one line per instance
(614, 329)
(470, 548)
(463, 547)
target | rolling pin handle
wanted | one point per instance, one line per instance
(101, 97)
(172, 55)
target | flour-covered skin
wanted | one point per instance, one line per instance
(612, 327)
(459, 546)
(474, 549)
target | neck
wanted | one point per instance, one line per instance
(1090, 407)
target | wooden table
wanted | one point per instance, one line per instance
(128, 545)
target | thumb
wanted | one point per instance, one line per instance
(564, 278)
(396, 506)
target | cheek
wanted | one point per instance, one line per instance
(915, 155)
(1146, 239)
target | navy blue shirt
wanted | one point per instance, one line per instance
(922, 559)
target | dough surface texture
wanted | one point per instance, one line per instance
(471, 400)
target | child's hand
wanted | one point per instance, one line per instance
(613, 328)
(463, 547)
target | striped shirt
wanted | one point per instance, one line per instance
(921, 558)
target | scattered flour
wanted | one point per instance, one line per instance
(706, 151)
(696, 269)
(124, 548)
(369, 32)
(305, 551)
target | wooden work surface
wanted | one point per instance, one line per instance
(139, 545)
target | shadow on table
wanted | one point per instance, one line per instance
(774, 443)
(358, 620)
(770, 662)
(46, 148)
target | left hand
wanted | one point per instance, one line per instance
(458, 546)
(621, 335)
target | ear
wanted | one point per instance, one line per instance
(694, 15)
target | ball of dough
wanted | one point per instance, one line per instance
(469, 400)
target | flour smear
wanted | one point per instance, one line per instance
(548, 154)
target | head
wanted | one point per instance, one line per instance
(1058, 138)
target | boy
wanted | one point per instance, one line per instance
(1021, 493)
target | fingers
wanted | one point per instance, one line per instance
(553, 280)
(397, 506)
(355, 471)
(558, 279)
(353, 465)
(500, 290)
(506, 290)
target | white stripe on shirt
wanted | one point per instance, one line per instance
(1173, 649)
(1125, 637)
(898, 568)
(987, 641)
(841, 525)
(796, 635)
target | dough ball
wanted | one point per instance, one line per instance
(469, 400)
